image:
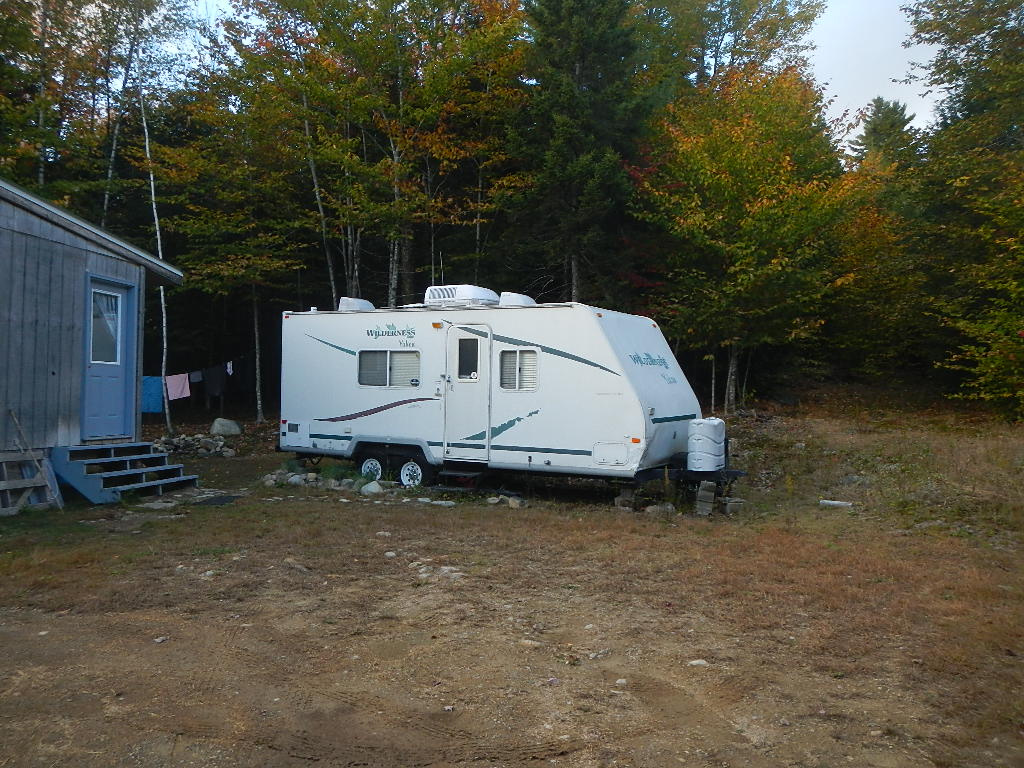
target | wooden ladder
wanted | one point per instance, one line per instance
(24, 473)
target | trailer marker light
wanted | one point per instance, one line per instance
(636, 439)
(284, 421)
(436, 325)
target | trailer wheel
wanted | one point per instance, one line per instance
(414, 472)
(371, 467)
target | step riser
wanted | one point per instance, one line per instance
(102, 473)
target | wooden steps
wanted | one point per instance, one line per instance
(102, 473)
(26, 481)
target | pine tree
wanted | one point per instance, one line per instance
(888, 133)
(584, 117)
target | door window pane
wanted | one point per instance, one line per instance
(106, 327)
(468, 356)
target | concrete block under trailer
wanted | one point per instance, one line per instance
(471, 380)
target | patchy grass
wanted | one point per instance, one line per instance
(915, 594)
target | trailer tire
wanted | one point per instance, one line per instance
(415, 472)
(371, 466)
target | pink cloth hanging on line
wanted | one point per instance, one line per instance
(177, 386)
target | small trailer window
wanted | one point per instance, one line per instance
(385, 368)
(519, 369)
(469, 358)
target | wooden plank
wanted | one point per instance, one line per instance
(33, 411)
(20, 456)
(18, 333)
(29, 482)
(7, 267)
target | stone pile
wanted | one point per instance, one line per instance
(194, 445)
(367, 487)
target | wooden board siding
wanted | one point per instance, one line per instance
(44, 273)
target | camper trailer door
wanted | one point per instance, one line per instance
(467, 402)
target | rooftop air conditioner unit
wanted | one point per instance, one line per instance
(347, 304)
(509, 299)
(459, 295)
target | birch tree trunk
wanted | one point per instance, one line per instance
(160, 255)
(260, 419)
(730, 380)
(115, 132)
(319, 201)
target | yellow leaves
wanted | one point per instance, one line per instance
(842, 280)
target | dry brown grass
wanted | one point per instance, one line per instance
(840, 593)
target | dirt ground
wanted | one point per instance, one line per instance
(294, 626)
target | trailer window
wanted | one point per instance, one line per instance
(384, 368)
(404, 369)
(519, 369)
(469, 358)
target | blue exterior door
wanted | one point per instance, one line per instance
(108, 401)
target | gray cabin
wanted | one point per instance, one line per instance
(71, 309)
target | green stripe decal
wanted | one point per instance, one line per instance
(333, 346)
(542, 347)
(329, 437)
(533, 449)
(684, 417)
(495, 431)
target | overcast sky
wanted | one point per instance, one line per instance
(860, 53)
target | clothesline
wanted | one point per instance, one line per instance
(178, 385)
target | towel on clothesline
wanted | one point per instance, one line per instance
(152, 394)
(177, 386)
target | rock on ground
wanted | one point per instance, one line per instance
(225, 428)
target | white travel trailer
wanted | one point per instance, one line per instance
(469, 380)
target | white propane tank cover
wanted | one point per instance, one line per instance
(705, 445)
(348, 304)
(509, 299)
(455, 295)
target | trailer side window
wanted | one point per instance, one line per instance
(404, 370)
(519, 369)
(382, 368)
(469, 358)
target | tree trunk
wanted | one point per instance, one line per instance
(44, 29)
(478, 245)
(393, 272)
(260, 418)
(746, 378)
(117, 130)
(319, 201)
(159, 255)
(350, 255)
(730, 380)
(394, 246)
(405, 266)
(714, 384)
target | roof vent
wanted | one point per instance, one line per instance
(509, 299)
(347, 304)
(459, 295)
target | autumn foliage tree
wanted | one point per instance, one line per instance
(745, 178)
